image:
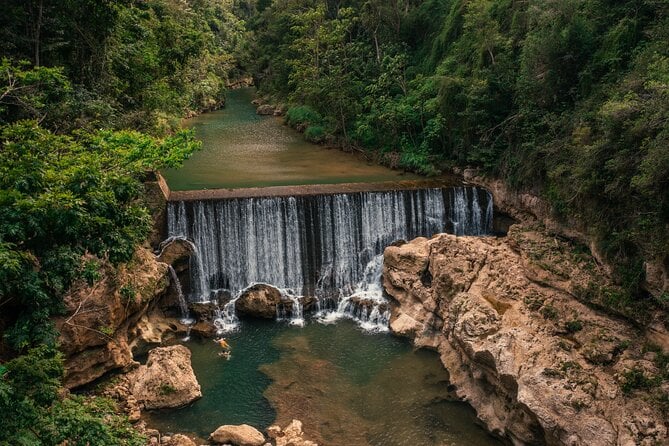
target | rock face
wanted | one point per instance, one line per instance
(538, 366)
(259, 301)
(242, 435)
(167, 379)
(98, 326)
(523, 205)
(176, 252)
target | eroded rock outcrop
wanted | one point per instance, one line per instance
(538, 366)
(167, 380)
(242, 435)
(96, 332)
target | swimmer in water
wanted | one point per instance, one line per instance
(223, 343)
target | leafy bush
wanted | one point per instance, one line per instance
(303, 115)
(315, 134)
(34, 413)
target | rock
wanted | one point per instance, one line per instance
(280, 110)
(176, 252)
(259, 301)
(497, 311)
(291, 435)
(204, 329)
(265, 110)
(179, 440)
(167, 379)
(242, 435)
(99, 323)
(203, 311)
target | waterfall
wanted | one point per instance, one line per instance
(315, 245)
(367, 305)
(181, 299)
(296, 314)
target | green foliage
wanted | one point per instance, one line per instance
(303, 116)
(573, 326)
(117, 64)
(128, 293)
(636, 379)
(63, 196)
(34, 414)
(166, 389)
(90, 271)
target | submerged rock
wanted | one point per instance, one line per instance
(178, 440)
(290, 435)
(538, 366)
(167, 380)
(242, 435)
(259, 301)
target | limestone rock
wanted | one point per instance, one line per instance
(242, 435)
(96, 331)
(291, 435)
(167, 379)
(265, 110)
(538, 366)
(259, 301)
(179, 440)
(176, 252)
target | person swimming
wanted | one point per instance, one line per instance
(223, 343)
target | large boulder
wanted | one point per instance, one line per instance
(537, 364)
(242, 435)
(259, 301)
(167, 380)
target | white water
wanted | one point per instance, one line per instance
(181, 299)
(367, 305)
(327, 246)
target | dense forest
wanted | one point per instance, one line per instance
(91, 94)
(568, 99)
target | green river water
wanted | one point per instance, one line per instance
(242, 149)
(349, 388)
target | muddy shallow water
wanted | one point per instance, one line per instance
(242, 149)
(348, 386)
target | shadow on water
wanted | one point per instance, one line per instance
(242, 149)
(348, 387)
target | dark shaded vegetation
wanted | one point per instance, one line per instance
(80, 81)
(569, 99)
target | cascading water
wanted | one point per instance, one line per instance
(181, 299)
(320, 245)
(367, 304)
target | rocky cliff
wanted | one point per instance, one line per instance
(103, 319)
(510, 321)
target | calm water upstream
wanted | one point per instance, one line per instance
(242, 149)
(349, 387)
